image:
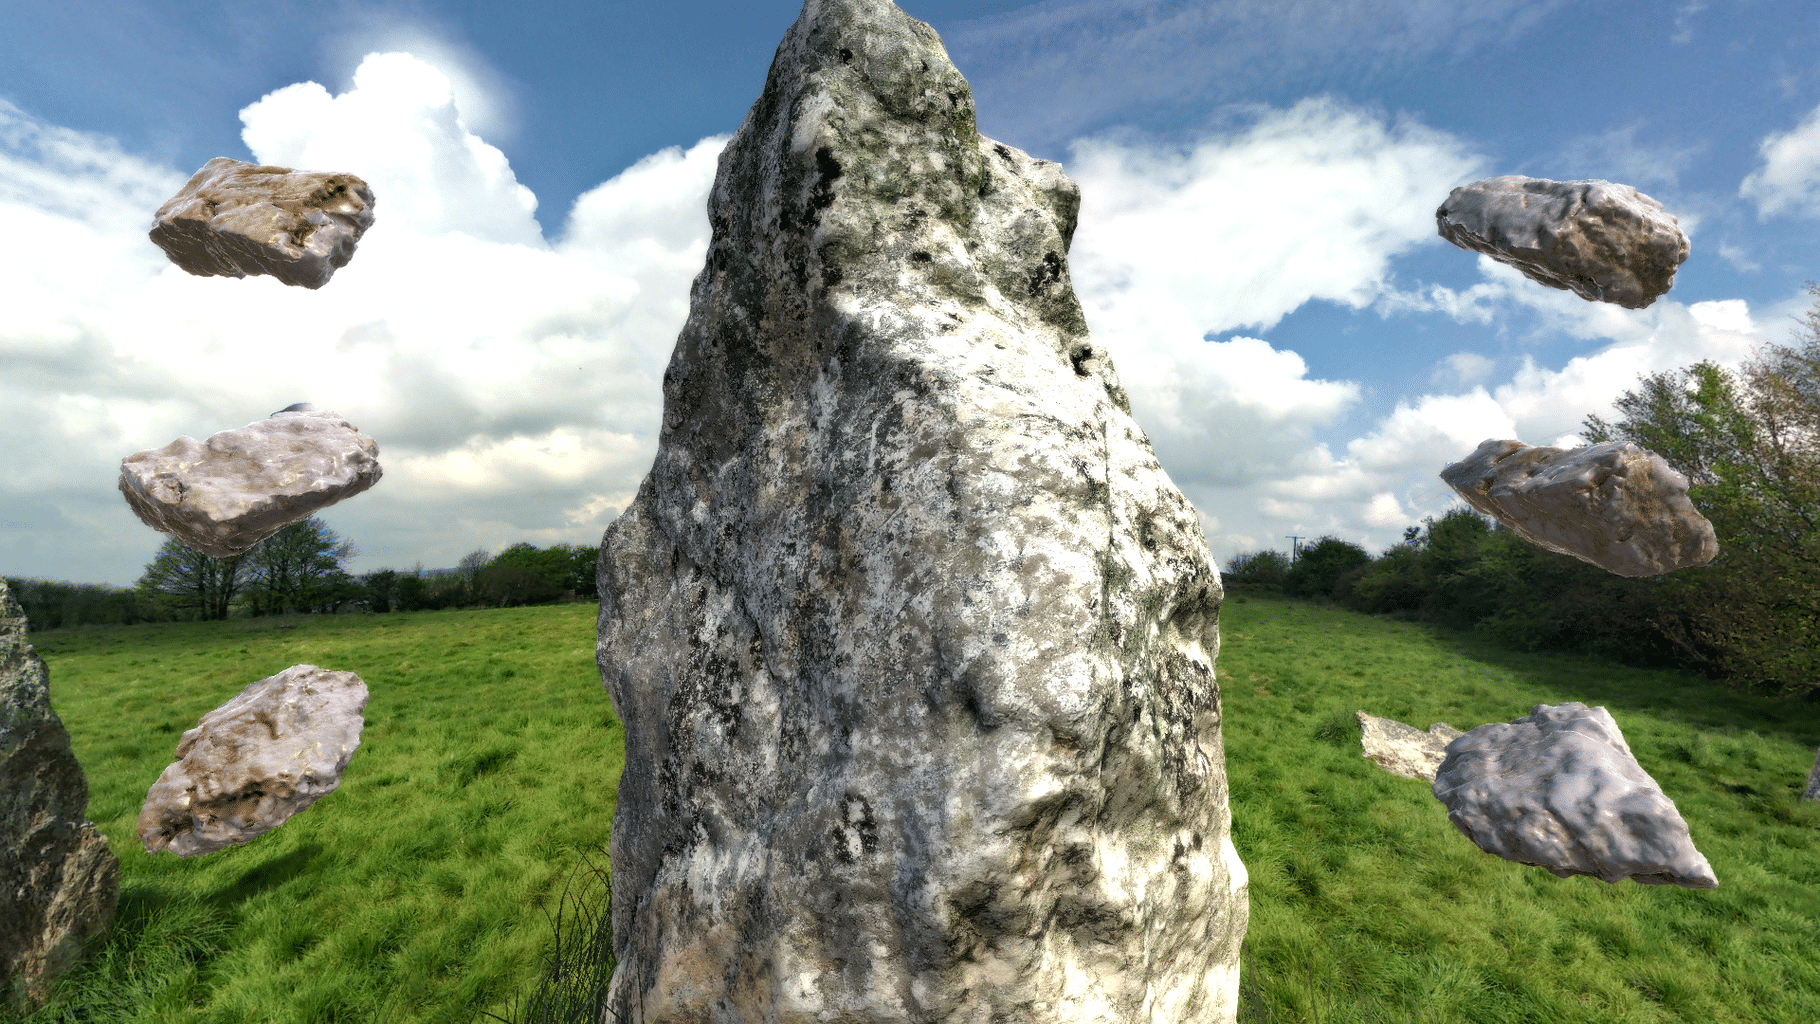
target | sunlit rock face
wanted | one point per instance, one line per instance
(233, 219)
(1616, 505)
(1559, 788)
(912, 637)
(59, 882)
(279, 746)
(222, 496)
(1404, 749)
(1603, 242)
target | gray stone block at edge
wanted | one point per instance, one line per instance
(912, 636)
(1616, 505)
(222, 496)
(1604, 242)
(1404, 749)
(1813, 780)
(233, 219)
(1559, 789)
(59, 882)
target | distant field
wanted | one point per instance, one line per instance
(486, 774)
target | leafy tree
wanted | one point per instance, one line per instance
(584, 567)
(1750, 446)
(1256, 570)
(299, 568)
(191, 583)
(1321, 565)
(380, 589)
(58, 605)
(468, 569)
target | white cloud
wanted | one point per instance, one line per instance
(1789, 179)
(1737, 257)
(1464, 367)
(1616, 155)
(513, 384)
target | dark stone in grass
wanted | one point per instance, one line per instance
(58, 879)
(1813, 780)
(912, 637)
(1559, 788)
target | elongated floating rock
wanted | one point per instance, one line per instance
(234, 219)
(1616, 505)
(1604, 242)
(222, 496)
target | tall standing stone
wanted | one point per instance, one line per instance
(58, 879)
(912, 637)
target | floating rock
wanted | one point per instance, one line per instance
(1603, 242)
(1616, 505)
(1813, 780)
(912, 637)
(276, 748)
(241, 486)
(58, 879)
(1403, 749)
(1559, 789)
(234, 218)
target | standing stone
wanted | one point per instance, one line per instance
(1603, 242)
(1619, 506)
(58, 879)
(912, 637)
(279, 746)
(222, 496)
(1559, 788)
(1404, 749)
(1813, 780)
(234, 218)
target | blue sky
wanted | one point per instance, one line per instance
(1257, 244)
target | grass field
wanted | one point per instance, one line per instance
(429, 887)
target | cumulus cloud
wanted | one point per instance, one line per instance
(512, 382)
(1789, 179)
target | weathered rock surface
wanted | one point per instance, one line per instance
(912, 637)
(1603, 242)
(58, 879)
(222, 496)
(1404, 749)
(1813, 780)
(279, 746)
(1616, 505)
(234, 218)
(1559, 788)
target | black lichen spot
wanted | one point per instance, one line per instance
(1079, 357)
(1004, 152)
(1045, 274)
(920, 257)
(828, 169)
(857, 833)
(846, 55)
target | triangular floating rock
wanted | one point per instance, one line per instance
(1559, 788)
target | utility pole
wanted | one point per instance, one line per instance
(1295, 548)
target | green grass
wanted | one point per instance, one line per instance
(425, 888)
(1351, 863)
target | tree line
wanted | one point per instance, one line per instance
(301, 570)
(1749, 443)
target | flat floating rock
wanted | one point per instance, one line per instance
(222, 496)
(1616, 505)
(249, 765)
(1603, 242)
(234, 219)
(1559, 789)
(1404, 749)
